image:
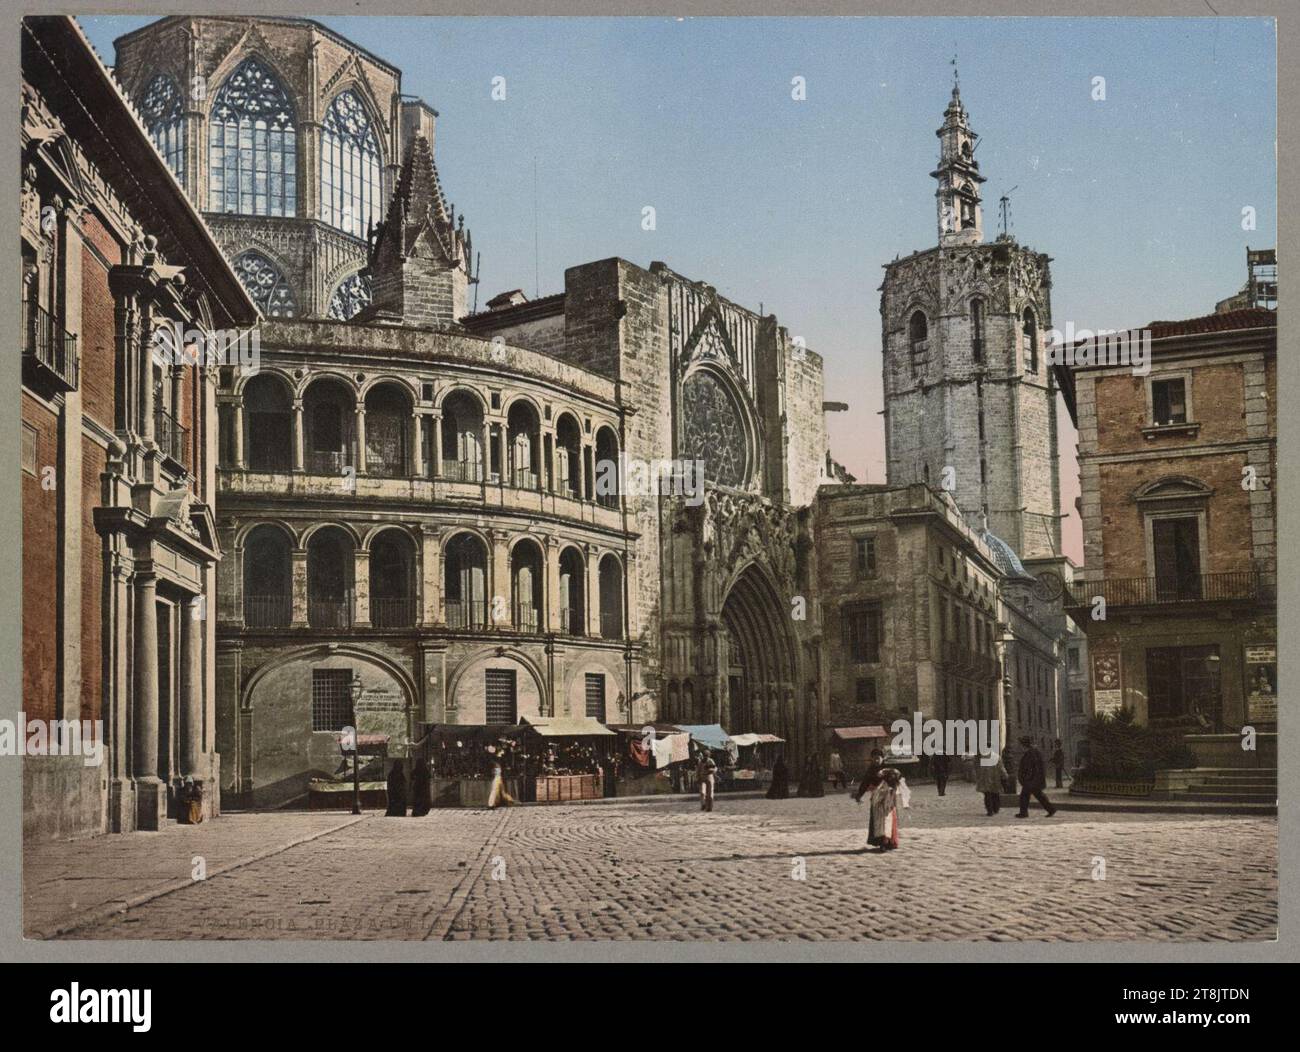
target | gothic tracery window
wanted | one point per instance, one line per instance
(164, 118)
(265, 285)
(253, 145)
(713, 430)
(1031, 341)
(352, 294)
(349, 167)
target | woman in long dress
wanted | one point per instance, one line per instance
(883, 834)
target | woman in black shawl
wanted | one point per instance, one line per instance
(811, 784)
(396, 791)
(780, 787)
(421, 797)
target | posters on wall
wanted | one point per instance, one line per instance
(1107, 696)
(1261, 683)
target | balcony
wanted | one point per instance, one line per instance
(611, 625)
(571, 622)
(1234, 586)
(467, 613)
(527, 619)
(329, 613)
(267, 611)
(462, 470)
(327, 461)
(393, 612)
(51, 352)
(523, 478)
(172, 437)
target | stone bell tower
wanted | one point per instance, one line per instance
(970, 399)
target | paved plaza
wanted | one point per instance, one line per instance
(753, 869)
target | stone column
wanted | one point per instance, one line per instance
(499, 586)
(360, 430)
(191, 706)
(552, 597)
(361, 587)
(417, 442)
(430, 577)
(591, 587)
(298, 458)
(151, 793)
(299, 615)
(237, 423)
(487, 450)
(436, 442)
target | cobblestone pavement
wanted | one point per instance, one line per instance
(753, 869)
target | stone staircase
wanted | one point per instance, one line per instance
(1256, 785)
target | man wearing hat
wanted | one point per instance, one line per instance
(1033, 779)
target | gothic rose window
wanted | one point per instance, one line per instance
(713, 430)
(253, 145)
(265, 285)
(352, 294)
(164, 118)
(349, 167)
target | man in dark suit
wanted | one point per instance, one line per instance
(1033, 779)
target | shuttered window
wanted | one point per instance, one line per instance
(596, 695)
(501, 697)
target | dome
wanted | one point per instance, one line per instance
(1004, 555)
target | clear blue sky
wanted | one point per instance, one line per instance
(795, 205)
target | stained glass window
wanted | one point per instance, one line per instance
(349, 167)
(252, 145)
(164, 118)
(713, 430)
(265, 285)
(352, 294)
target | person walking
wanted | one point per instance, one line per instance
(990, 779)
(707, 773)
(811, 784)
(780, 787)
(1058, 761)
(836, 767)
(1033, 779)
(498, 796)
(421, 797)
(939, 764)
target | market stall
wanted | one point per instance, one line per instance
(855, 744)
(755, 756)
(653, 758)
(366, 787)
(462, 759)
(711, 738)
(571, 757)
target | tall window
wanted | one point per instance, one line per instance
(253, 145)
(977, 330)
(349, 167)
(865, 556)
(1169, 401)
(596, 695)
(1031, 341)
(164, 118)
(499, 684)
(917, 331)
(863, 633)
(265, 285)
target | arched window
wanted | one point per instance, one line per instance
(268, 578)
(265, 285)
(917, 332)
(252, 145)
(349, 167)
(977, 330)
(164, 119)
(1031, 342)
(350, 297)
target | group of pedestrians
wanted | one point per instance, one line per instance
(421, 800)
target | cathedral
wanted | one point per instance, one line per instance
(408, 508)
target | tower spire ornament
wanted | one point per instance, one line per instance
(961, 218)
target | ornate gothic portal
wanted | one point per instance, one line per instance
(757, 659)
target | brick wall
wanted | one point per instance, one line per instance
(40, 569)
(98, 338)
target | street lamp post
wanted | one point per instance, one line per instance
(356, 748)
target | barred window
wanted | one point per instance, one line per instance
(865, 556)
(164, 119)
(331, 699)
(499, 684)
(253, 145)
(349, 167)
(596, 695)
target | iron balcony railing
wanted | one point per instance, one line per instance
(327, 461)
(462, 470)
(526, 618)
(611, 625)
(329, 613)
(172, 437)
(571, 622)
(1188, 588)
(268, 611)
(523, 478)
(466, 613)
(49, 346)
(392, 612)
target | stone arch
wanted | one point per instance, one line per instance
(478, 658)
(757, 621)
(446, 391)
(316, 527)
(314, 376)
(382, 527)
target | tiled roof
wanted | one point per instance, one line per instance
(1250, 318)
